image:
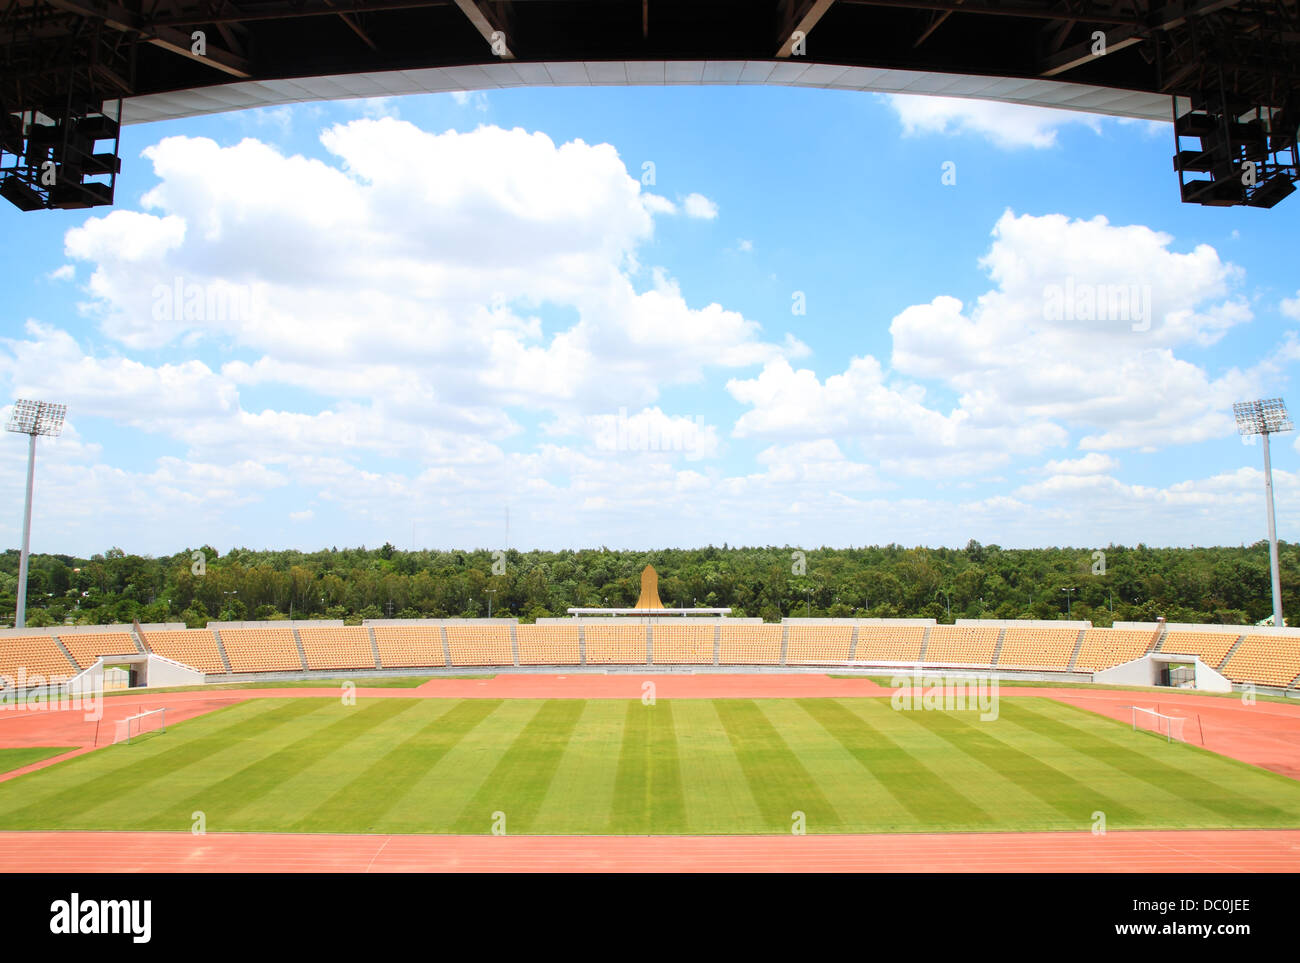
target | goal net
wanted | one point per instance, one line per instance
(1148, 720)
(155, 720)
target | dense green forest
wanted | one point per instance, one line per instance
(1223, 585)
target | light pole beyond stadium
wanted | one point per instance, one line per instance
(31, 418)
(1266, 417)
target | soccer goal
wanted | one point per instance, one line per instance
(155, 720)
(1171, 727)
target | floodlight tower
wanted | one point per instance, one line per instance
(1265, 418)
(31, 418)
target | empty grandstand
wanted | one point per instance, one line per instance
(549, 644)
(682, 643)
(809, 644)
(403, 645)
(260, 649)
(1103, 648)
(749, 644)
(1033, 650)
(1033, 647)
(961, 645)
(1270, 660)
(193, 647)
(337, 647)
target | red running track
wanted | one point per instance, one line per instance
(1244, 851)
(1265, 734)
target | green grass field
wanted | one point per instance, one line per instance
(361, 682)
(11, 759)
(681, 766)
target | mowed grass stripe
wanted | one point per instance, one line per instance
(582, 790)
(717, 794)
(1218, 797)
(923, 793)
(648, 786)
(850, 789)
(518, 783)
(1072, 798)
(118, 774)
(225, 798)
(383, 784)
(11, 759)
(778, 780)
(442, 793)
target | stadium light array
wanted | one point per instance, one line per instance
(31, 418)
(1266, 417)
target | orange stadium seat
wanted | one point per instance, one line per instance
(548, 644)
(34, 655)
(1265, 660)
(682, 644)
(818, 643)
(337, 647)
(622, 643)
(962, 644)
(1034, 647)
(1212, 647)
(261, 650)
(1104, 648)
(480, 645)
(409, 646)
(750, 645)
(889, 643)
(196, 648)
(86, 647)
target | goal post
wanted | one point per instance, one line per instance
(1149, 720)
(154, 720)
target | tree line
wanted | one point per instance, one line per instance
(1220, 585)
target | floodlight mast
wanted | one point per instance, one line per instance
(31, 418)
(1266, 417)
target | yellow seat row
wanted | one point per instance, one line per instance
(813, 644)
(548, 644)
(1034, 647)
(409, 646)
(1265, 660)
(677, 644)
(196, 648)
(337, 647)
(88, 646)
(261, 650)
(962, 644)
(25, 656)
(619, 643)
(1212, 647)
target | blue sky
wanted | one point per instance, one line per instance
(459, 305)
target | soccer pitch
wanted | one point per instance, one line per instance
(686, 766)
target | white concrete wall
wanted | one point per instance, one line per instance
(164, 672)
(1146, 671)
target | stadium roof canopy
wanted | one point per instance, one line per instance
(165, 59)
(260, 52)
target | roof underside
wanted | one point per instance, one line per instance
(263, 52)
(503, 76)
